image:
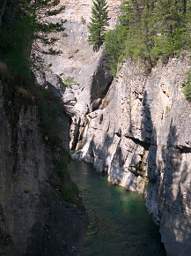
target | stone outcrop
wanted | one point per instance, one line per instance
(37, 215)
(41, 213)
(69, 56)
(139, 135)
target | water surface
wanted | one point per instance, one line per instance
(119, 224)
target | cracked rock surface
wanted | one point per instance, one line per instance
(140, 137)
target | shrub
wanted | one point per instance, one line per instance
(187, 87)
(68, 81)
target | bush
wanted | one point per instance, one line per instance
(68, 81)
(187, 87)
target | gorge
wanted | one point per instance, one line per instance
(133, 128)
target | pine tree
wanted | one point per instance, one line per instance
(99, 21)
(172, 15)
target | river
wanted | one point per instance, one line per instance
(119, 224)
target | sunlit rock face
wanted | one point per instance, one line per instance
(140, 136)
(107, 136)
(70, 57)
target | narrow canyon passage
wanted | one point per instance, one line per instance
(119, 224)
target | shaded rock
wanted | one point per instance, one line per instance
(36, 218)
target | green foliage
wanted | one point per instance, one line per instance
(18, 33)
(149, 30)
(50, 27)
(187, 87)
(69, 81)
(115, 43)
(99, 21)
(15, 44)
(64, 185)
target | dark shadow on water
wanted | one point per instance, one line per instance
(119, 224)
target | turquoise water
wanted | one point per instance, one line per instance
(119, 224)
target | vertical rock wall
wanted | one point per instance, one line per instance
(36, 217)
(140, 137)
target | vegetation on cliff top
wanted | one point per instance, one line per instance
(149, 30)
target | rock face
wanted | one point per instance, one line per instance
(135, 129)
(139, 135)
(41, 213)
(35, 216)
(70, 57)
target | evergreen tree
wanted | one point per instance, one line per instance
(149, 30)
(99, 21)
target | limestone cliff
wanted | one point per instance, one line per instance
(40, 211)
(135, 129)
(140, 137)
(138, 133)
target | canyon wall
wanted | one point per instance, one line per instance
(139, 135)
(134, 129)
(40, 210)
